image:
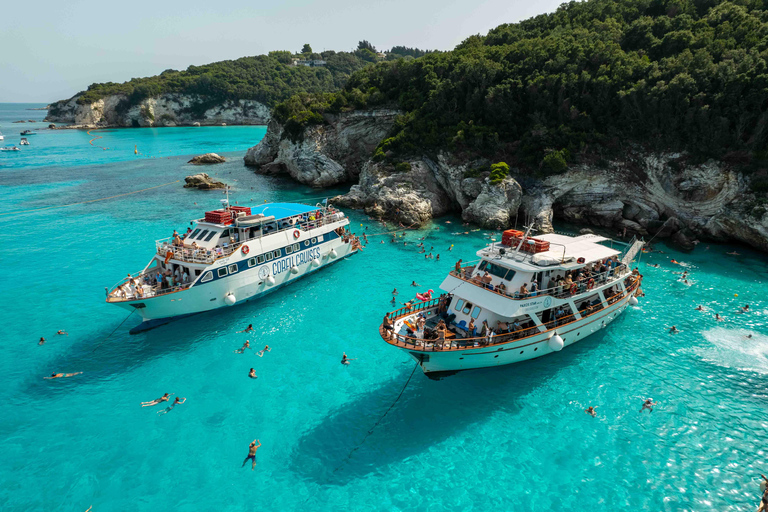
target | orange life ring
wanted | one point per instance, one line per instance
(296, 233)
(574, 287)
(168, 256)
(245, 249)
(590, 284)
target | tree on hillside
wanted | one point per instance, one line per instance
(365, 45)
(306, 48)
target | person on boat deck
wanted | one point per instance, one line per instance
(534, 288)
(502, 327)
(523, 291)
(387, 323)
(185, 277)
(502, 287)
(441, 328)
(551, 284)
(487, 278)
(471, 326)
(485, 329)
(458, 266)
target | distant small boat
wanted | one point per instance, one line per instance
(24, 141)
(10, 148)
(28, 132)
(1, 136)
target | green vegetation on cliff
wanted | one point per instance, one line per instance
(571, 85)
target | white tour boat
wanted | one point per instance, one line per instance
(488, 319)
(232, 255)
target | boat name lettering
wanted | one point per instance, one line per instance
(297, 259)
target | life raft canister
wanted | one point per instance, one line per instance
(245, 249)
(296, 233)
(168, 256)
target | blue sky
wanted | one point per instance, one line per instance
(50, 50)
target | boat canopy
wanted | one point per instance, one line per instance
(566, 248)
(283, 210)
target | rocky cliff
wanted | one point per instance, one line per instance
(324, 155)
(165, 110)
(649, 194)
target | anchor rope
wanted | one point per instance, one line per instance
(114, 330)
(370, 431)
(89, 201)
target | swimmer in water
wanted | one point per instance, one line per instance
(748, 336)
(591, 411)
(156, 401)
(252, 453)
(648, 404)
(674, 330)
(247, 329)
(393, 301)
(414, 283)
(674, 261)
(252, 374)
(718, 317)
(60, 375)
(265, 349)
(61, 331)
(345, 359)
(174, 404)
(394, 292)
(42, 341)
(745, 309)
(699, 308)
(246, 345)
(734, 253)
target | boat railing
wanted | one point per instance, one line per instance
(145, 286)
(559, 292)
(188, 253)
(439, 344)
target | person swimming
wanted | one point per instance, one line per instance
(648, 404)
(591, 411)
(174, 404)
(699, 308)
(745, 309)
(246, 345)
(61, 332)
(42, 341)
(252, 374)
(673, 330)
(265, 349)
(61, 375)
(345, 359)
(252, 453)
(718, 317)
(247, 329)
(156, 401)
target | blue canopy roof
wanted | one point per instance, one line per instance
(283, 210)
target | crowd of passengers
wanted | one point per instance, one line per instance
(159, 281)
(573, 282)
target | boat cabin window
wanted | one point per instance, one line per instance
(206, 277)
(276, 253)
(289, 249)
(476, 312)
(194, 234)
(268, 228)
(226, 233)
(251, 262)
(222, 271)
(208, 238)
(467, 308)
(497, 270)
(205, 232)
(314, 240)
(233, 268)
(260, 259)
(296, 247)
(459, 304)
(306, 243)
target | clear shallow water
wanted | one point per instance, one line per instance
(509, 438)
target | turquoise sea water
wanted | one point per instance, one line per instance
(510, 438)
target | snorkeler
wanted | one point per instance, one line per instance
(648, 404)
(156, 401)
(265, 349)
(60, 375)
(174, 404)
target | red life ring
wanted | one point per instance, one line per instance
(590, 284)
(296, 233)
(574, 287)
(245, 249)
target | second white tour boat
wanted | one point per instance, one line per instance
(525, 298)
(232, 255)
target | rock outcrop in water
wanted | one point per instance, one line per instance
(202, 181)
(208, 158)
(165, 110)
(649, 194)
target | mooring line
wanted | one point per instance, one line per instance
(115, 330)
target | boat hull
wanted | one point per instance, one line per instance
(439, 363)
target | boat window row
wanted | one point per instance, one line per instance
(466, 307)
(497, 270)
(293, 248)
